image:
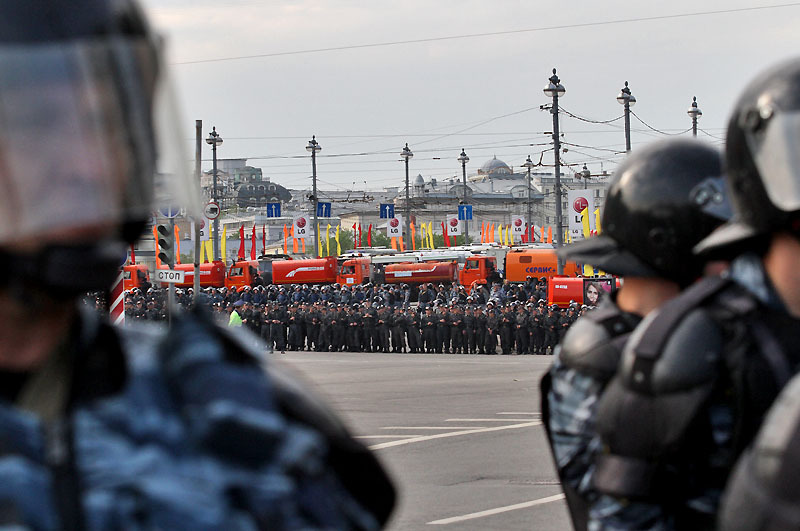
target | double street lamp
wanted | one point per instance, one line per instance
(313, 147)
(628, 100)
(215, 140)
(555, 89)
(463, 159)
(407, 154)
(695, 113)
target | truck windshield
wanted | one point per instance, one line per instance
(348, 270)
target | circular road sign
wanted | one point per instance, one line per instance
(211, 210)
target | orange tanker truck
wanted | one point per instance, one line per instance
(536, 263)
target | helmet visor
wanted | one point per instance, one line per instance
(777, 157)
(86, 140)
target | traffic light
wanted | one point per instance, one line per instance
(166, 244)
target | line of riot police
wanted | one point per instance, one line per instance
(503, 319)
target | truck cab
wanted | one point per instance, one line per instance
(354, 271)
(480, 269)
(243, 273)
(135, 276)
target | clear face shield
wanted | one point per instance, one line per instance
(775, 148)
(90, 141)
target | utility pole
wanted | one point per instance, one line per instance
(407, 154)
(198, 153)
(555, 89)
(313, 147)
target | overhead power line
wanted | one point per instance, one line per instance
(491, 34)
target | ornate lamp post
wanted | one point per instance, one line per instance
(407, 154)
(463, 159)
(215, 140)
(627, 99)
(695, 113)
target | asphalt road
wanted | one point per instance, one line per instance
(460, 434)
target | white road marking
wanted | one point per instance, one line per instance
(407, 436)
(519, 413)
(499, 510)
(452, 434)
(486, 420)
(433, 427)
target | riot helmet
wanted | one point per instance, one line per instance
(762, 162)
(95, 146)
(662, 200)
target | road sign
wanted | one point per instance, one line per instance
(169, 212)
(273, 210)
(323, 210)
(387, 211)
(465, 212)
(170, 276)
(211, 210)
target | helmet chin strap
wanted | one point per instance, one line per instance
(61, 272)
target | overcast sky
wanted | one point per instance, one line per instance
(237, 66)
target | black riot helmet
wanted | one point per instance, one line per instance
(662, 200)
(94, 146)
(762, 162)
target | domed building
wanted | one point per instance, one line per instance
(494, 168)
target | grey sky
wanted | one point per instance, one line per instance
(373, 100)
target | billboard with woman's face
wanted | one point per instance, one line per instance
(594, 289)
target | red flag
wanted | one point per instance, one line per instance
(369, 236)
(253, 244)
(359, 234)
(263, 239)
(240, 254)
(446, 236)
(355, 241)
(525, 235)
(285, 239)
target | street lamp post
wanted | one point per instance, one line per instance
(628, 100)
(463, 159)
(554, 89)
(215, 140)
(407, 154)
(313, 147)
(529, 165)
(695, 112)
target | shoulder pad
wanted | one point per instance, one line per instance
(594, 342)
(687, 358)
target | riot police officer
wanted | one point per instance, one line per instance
(639, 206)
(145, 426)
(714, 358)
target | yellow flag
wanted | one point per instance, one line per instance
(338, 245)
(320, 241)
(430, 234)
(328, 239)
(588, 271)
(597, 221)
(500, 234)
(511, 235)
(224, 245)
(422, 242)
(567, 236)
(585, 222)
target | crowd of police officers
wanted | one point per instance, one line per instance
(506, 318)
